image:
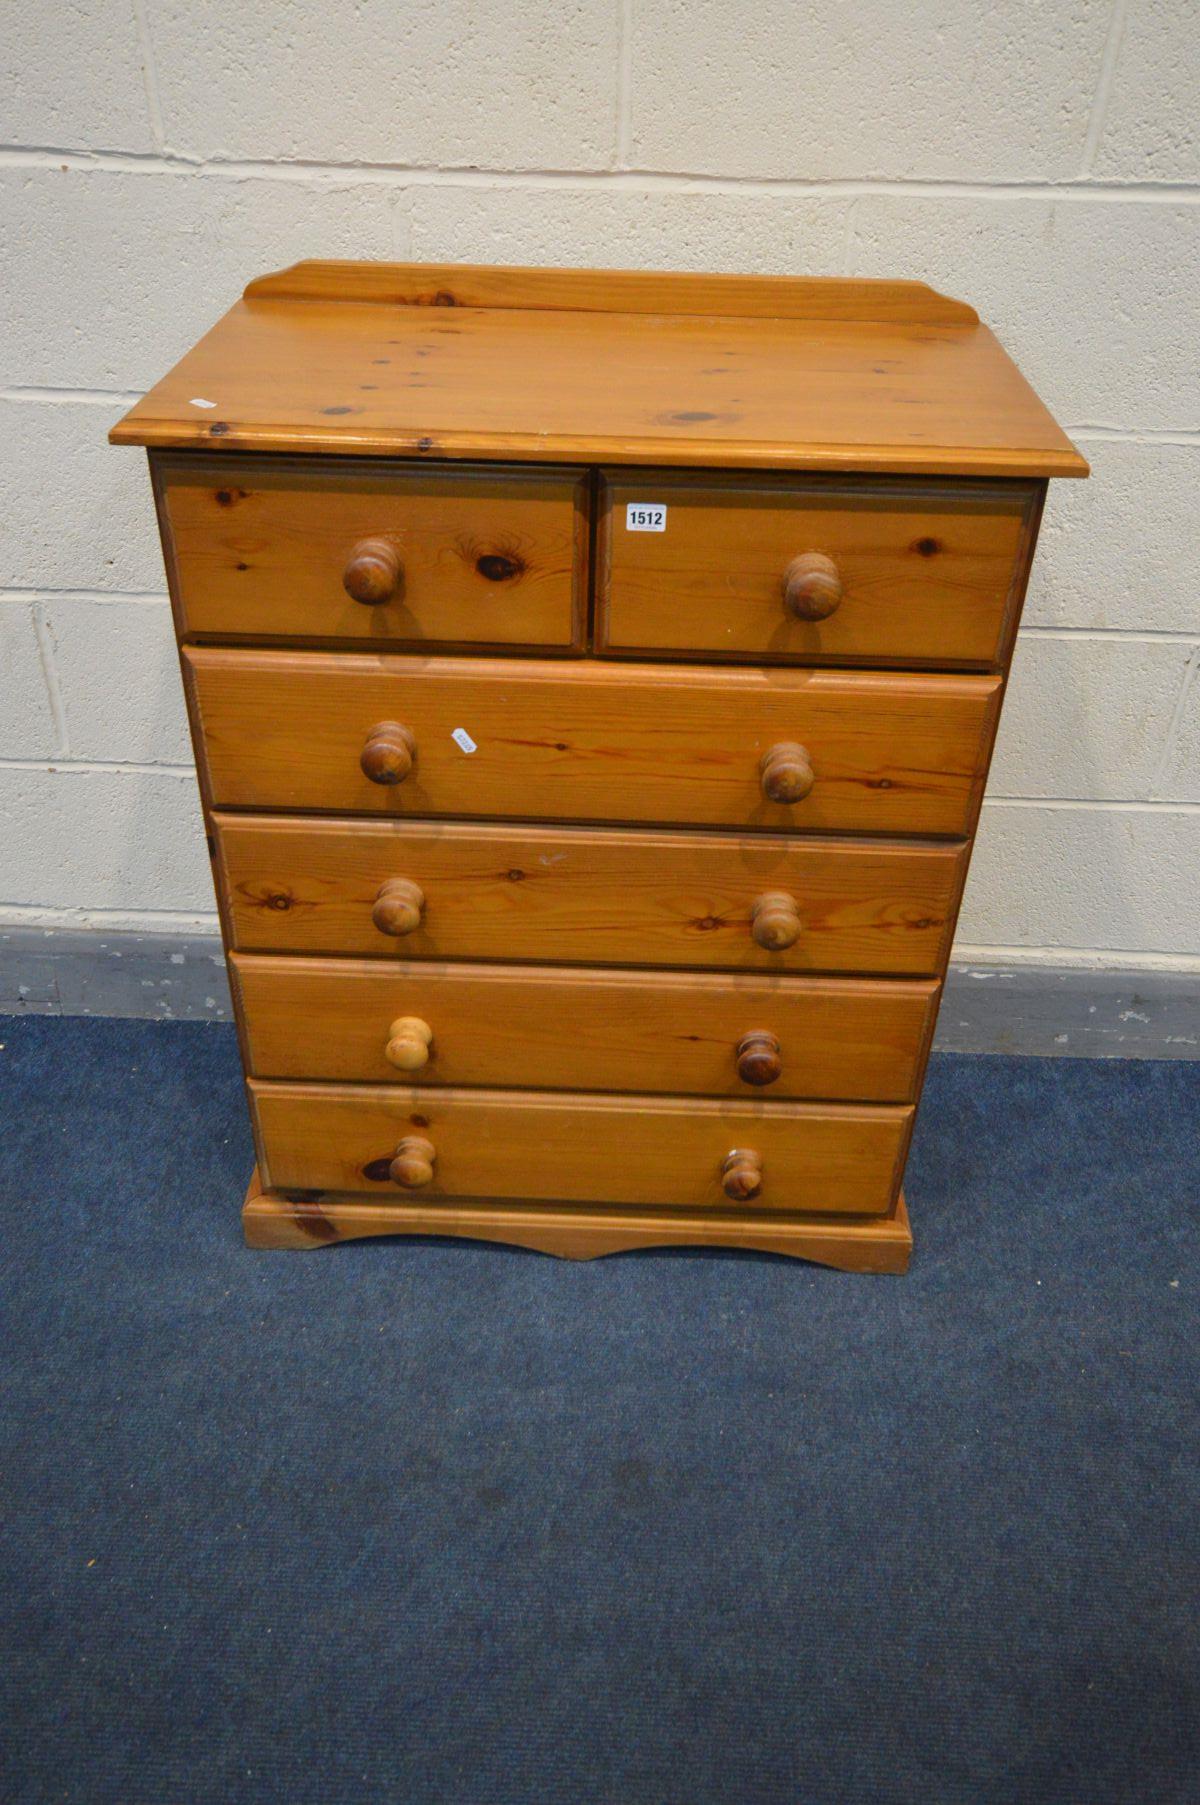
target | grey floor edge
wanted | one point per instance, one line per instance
(1047, 1010)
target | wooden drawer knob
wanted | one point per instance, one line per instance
(408, 1043)
(812, 587)
(741, 1174)
(389, 753)
(399, 907)
(413, 1164)
(373, 572)
(785, 773)
(758, 1057)
(775, 920)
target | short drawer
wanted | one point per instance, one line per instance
(666, 1151)
(684, 1033)
(367, 552)
(872, 752)
(588, 896)
(811, 572)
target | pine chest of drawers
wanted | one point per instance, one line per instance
(593, 679)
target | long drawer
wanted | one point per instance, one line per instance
(669, 1152)
(591, 896)
(810, 571)
(884, 753)
(685, 1033)
(374, 552)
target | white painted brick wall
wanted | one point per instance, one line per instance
(87, 838)
(1117, 551)
(967, 92)
(443, 83)
(142, 263)
(1039, 158)
(77, 79)
(1088, 716)
(118, 679)
(618, 227)
(27, 724)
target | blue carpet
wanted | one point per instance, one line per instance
(422, 1521)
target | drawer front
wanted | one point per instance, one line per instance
(878, 574)
(647, 1150)
(590, 897)
(883, 753)
(313, 549)
(684, 1033)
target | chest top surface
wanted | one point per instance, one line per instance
(621, 367)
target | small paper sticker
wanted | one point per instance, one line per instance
(463, 740)
(199, 401)
(645, 517)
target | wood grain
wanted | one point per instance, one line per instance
(558, 1031)
(544, 386)
(614, 291)
(928, 573)
(586, 895)
(259, 547)
(660, 1152)
(545, 1026)
(853, 1244)
(891, 753)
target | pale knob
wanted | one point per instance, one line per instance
(812, 587)
(389, 753)
(408, 1043)
(399, 907)
(373, 572)
(785, 773)
(741, 1174)
(775, 921)
(413, 1164)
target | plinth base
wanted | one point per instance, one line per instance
(852, 1243)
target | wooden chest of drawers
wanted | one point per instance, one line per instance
(593, 679)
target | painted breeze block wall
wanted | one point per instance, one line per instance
(1038, 158)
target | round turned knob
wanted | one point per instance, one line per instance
(775, 921)
(741, 1174)
(389, 753)
(408, 1043)
(812, 587)
(373, 572)
(413, 1164)
(758, 1057)
(399, 906)
(785, 773)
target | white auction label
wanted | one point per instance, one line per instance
(645, 517)
(463, 740)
